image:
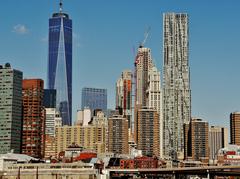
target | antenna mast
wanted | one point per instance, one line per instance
(60, 4)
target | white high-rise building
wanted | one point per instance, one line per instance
(83, 117)
(53, 120)
(154, 97)
(176, 84)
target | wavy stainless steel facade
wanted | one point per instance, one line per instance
(60, 63)
(176, 84)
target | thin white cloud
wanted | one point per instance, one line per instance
(20, 29)
(44, 39)
(76, 40)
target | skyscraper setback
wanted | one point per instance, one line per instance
(60, 63)
(176, 86)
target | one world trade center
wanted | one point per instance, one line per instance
(60, 63)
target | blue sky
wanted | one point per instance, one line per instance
(105, 32)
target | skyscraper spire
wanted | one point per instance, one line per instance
(60, 4)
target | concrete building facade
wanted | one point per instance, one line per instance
(53, 120)
(118, 134)
(154, 99)
(91, 137)
(235, 128)
(218, 138)
(143, 64)
(148, 139)
(83, 117)
(147, 100)
(196, 140)
(10, 109)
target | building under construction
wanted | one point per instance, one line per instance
(33, 136)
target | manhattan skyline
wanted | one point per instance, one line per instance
(103, 38)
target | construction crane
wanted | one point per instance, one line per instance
(146, 34)
(134, 75)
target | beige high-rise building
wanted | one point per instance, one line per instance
(143, 64)
(218, 138)
(235, 128)
(196, 140)
(154, 99)
(91, 137)
(118, 134)
(148, 131)
(147, 98)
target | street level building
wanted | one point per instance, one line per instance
(10, 109)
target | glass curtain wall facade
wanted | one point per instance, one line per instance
(94, 98)
(60, 63)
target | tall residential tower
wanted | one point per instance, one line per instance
(124, 95)
(10, 109)
(147, 111)
(176, 84)
(60, 63)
